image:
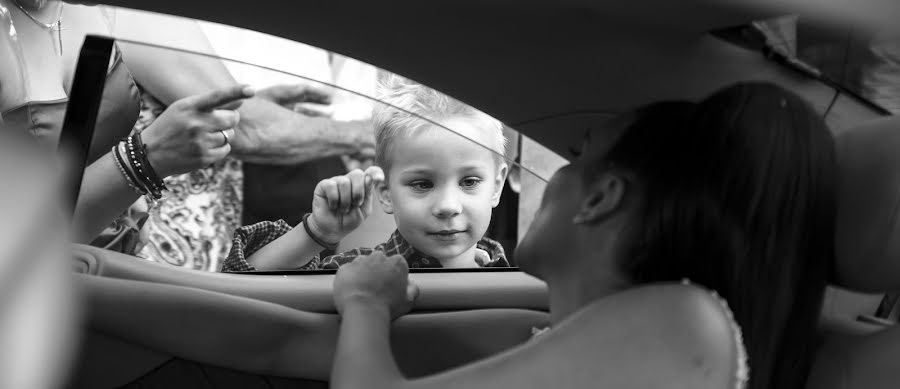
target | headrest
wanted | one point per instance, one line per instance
(867, 246)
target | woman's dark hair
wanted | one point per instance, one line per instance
(740, 199)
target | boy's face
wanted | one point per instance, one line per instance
(442, 187)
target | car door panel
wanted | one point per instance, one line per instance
(422, 343)
(108, 362)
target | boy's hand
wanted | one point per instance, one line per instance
(340, 204)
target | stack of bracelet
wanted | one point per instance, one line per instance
(131, 158)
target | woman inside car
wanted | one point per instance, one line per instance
(733, 195)
(739, 200)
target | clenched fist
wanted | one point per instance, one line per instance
(342, 203)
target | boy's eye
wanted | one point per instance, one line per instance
(421, 185)
(470, 182)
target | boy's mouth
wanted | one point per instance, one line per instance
(446, 234)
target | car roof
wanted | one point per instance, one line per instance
(541, 66)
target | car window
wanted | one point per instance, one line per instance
(322, 105)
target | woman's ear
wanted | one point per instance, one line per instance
(604, 196)
(499, 181)
(384, 197)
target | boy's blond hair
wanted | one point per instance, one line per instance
(405, 105)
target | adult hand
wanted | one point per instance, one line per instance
(375, 280)
(270, 134)
(342, 203)
(194, 132)
(310, 100)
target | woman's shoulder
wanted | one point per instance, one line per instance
(684, 307)
(683, 329)
(687, 311)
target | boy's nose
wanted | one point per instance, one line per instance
(447, 204)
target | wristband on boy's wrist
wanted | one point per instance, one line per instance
(319, 241)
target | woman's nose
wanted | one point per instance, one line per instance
(447, 204)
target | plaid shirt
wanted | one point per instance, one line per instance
(249, 239)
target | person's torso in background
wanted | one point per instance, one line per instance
(48, 70)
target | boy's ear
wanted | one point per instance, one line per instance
(500, 180)
(604, 196)
(384, 197)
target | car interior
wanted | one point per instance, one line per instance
(548, 71)
(856, 354)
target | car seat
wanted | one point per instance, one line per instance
(865, 352)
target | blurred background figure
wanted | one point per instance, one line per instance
(39, 304)
(12, 82)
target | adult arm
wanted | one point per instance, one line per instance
(268, 132)
(661, 336)
(214, 328)
(104, 195)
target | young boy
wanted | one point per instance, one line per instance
(440, 185)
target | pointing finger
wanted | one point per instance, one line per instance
(232, 105)
(374, 176)
(213, 99)
(357, 186)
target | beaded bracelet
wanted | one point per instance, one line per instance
(146, 160)
(125, 168)
(319, 241)
(136, 158)
(135, 165)
(123, 153)
(125, 173)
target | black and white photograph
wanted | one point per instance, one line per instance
(567, 194)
